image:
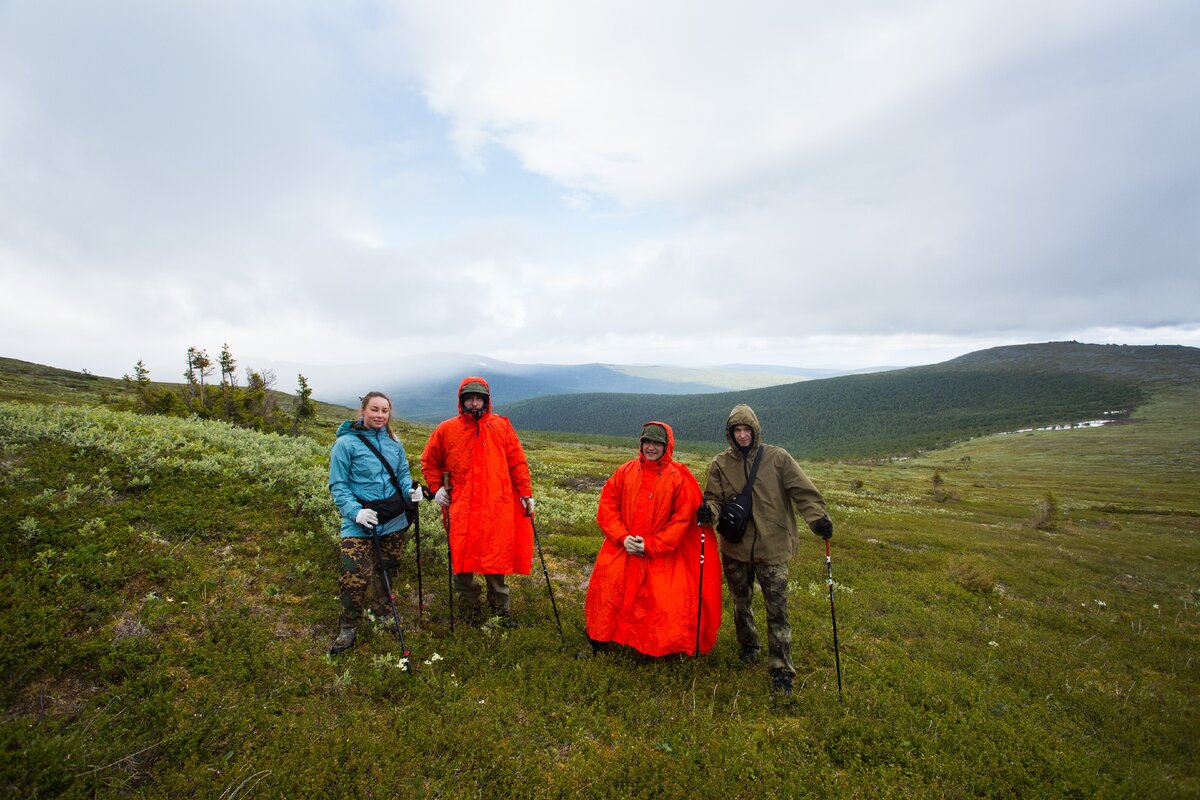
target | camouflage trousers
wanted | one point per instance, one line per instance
(773, 578)
(361, 580)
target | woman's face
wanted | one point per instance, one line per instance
(653, 451)
(376, 413)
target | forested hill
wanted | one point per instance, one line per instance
(900, 411)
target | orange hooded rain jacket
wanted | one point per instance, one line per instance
(489, 531)
(650, 602)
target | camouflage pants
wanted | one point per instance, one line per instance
(360, 573)
(773, 578)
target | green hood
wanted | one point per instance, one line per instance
(743, 414)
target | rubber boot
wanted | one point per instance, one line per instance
(344, 640)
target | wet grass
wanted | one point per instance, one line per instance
(167, 607)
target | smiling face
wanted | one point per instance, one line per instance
(653, 451)
(376, 411)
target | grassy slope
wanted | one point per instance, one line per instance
(169, 595)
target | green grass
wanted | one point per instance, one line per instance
(167, 596)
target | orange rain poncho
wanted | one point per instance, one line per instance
(489, 531)
(650, 602)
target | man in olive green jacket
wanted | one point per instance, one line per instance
(770, 538)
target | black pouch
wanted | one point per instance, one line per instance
(388, 508)
(734, 516)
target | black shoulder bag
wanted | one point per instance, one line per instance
(736, 513)
(390, 507)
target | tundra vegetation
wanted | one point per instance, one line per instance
(1019, 616)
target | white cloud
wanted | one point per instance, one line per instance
(623, 181)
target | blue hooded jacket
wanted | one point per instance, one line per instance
(355, 472)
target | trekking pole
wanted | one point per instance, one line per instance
(837, 659)
(546, 572)
(387, 584)
(449, 556)
(700, 594)
(417, 534)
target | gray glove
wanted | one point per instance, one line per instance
(416, 495)
(635, 545)
(367, 518)
(442, 498)
(528, 503)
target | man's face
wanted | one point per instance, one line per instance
(743, 435)
(653, 451)
(472, 402)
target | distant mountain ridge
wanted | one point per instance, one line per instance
(898, 411)
(865, 415)
(423, 387)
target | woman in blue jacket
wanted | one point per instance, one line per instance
(357, 476)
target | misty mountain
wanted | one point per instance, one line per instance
(423, 387)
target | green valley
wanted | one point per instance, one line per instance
(1019, 615)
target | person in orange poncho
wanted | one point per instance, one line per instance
(488, 500)
(645, 591)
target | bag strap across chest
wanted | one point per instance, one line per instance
(391, 473)
(753, 473)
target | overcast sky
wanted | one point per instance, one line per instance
(812, 184)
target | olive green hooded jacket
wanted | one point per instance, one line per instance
(771, 536)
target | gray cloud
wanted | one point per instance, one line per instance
(824, 185)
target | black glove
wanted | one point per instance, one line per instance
(822, 527)
(704, 515)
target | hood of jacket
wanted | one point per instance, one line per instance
(743, 414)
(670, 449)
(356, 426)
(487, 404)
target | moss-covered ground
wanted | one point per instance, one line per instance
(1019, 616)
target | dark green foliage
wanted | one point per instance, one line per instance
(859, 415)
(251, 406)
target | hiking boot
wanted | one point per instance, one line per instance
(781, 682)
(344, 640)
(750, 655)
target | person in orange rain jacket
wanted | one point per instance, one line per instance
(645, 591)
(488, 502)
